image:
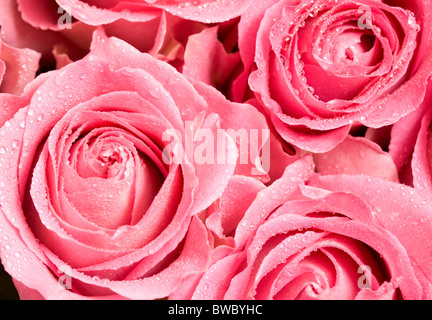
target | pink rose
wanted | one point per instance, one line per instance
(321, 67)
(101, 12)
(165, 36)
(46, 29)
(310, 236)
(162, 35)
(93, 201)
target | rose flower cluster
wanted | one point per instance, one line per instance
(216, 149)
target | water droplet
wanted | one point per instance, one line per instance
(155, 92)
(274, 195)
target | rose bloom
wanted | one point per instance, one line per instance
(90, 206)
(313, 236)
(66, 39)
(165, 36)
(48, 30)
(321, 67)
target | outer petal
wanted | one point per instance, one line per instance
(238, 120)
(21, 66)
(208, 12)
(357, 156)
(238, 196)
(31, 271)
(421, 161)
(10, 104)
(248, 29)
(205, 11)
(43, 14)
(95, 16)
(403, 137)
(217, 280)
(206, 60)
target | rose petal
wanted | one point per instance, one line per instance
(272, 197)
(214, 69)
(224, 221)
(21, 66)
(193, 259)
(44, 14)
(357, 156)
(205, 11)
(31, 270)
(421, 165)
(94, 15)
(214, 284)
(253, 126)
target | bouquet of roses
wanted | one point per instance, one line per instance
(216, 149)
